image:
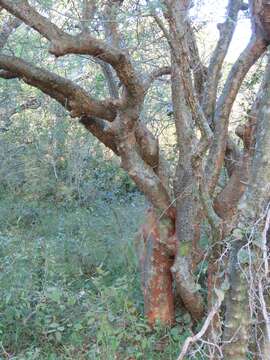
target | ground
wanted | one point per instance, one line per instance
(70, 286)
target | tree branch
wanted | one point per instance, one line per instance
(155, 74)
(84, 43)
(7, 75)
(70, 95)
(207, 323)
(225, 204)
(179, 26)
(249, 56)
(143, 174)
(199, 70)
(110, 79)
(214, 70)
(88, 11)
(98, 128)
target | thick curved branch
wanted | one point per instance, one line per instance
(84, 43)
(143, 174)
(80, 104)
(98, 128)
(122, 137)
(226, 202)
(70, 95)
(249, 56)
(214, 70)
(7, 75)
(23, 11)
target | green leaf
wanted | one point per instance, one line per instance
(225, 285)
(243, 256)
(54, 294)
(58, 336)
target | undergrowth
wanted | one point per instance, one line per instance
(70, 287)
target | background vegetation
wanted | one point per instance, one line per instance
(70, 286)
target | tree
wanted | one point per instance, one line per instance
(170, 251)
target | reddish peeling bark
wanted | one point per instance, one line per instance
(156, 259)
(157, 283)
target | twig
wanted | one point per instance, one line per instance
(192, 339)
(264, 311)
(264, 243)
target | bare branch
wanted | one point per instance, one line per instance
(63, 43)
(163, 28)
(23, 11)
(70, 95)
(264, 310)
(144, 176)
(113, 37)
(214, 70)
(207, 204)
(226, 202)
(249, 56)
(179, 26)
(265, 247)
(110, 79)
(192, 339)
(88, 12)
(186, 287)
(98, 128)
(7, 75)
(199, 70)
(80, 104)
(157, 73)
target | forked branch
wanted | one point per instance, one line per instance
(249, 56)
(84, 43)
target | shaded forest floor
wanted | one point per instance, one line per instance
(70, 287)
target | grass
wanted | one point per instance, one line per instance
(70, 287)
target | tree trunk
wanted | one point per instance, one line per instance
(248, 233)
(237, 311)
(156, 258)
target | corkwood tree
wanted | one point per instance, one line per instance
(236, 214)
